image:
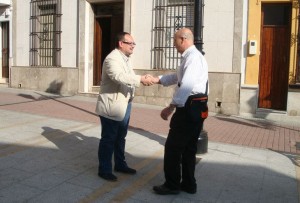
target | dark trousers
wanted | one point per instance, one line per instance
(113, 142)
(181, 147)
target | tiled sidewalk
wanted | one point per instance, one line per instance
(48, 153)
(256, 133)
(259, 133)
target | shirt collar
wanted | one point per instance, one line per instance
(126, 58)
(188, 50)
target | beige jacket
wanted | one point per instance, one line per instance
(117, 86)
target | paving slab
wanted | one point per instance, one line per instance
(50, 157)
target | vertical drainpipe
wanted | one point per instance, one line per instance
(202, 144)
(198, 24)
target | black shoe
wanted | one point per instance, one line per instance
(188, 190)
(163, 190)
(126, 170)
(108, 176)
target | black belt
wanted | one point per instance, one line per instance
(200, 97)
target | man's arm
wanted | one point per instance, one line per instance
(115, 71)
(166, 112)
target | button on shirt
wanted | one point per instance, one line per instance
(191, 76)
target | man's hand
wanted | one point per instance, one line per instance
(147, 80)
(155, 80)
(166, 112)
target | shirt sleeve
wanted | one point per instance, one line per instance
(167, 80)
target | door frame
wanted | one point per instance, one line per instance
(285, 82)
(106, 26)
(5, 49)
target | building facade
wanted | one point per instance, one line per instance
(59, 45)
(271, 75)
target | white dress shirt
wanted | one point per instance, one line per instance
(191, 76)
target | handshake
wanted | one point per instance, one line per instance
(148, 80)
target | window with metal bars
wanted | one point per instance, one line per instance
(45, 33)
(169, 16)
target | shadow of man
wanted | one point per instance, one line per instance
(75, 149)
(79, 152)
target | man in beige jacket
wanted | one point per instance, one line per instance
(114, 106)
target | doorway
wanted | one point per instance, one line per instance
(5, 49)
(274, 58)
(108, 22)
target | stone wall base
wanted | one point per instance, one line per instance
(63, 81)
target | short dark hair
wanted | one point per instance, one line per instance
(120, 37)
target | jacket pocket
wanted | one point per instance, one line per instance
(112, 106)
(117, 107)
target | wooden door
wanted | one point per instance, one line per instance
(98, 51)
(106, 29)
(5, 49)
(274, 56)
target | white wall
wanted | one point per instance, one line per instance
(244, 41)
(69, 33)
(22, 33)
(218, 34)
(141, 26)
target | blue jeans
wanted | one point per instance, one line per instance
(113, 142)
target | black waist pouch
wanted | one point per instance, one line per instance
(196, 107)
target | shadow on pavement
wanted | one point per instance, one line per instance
(246, 122)
(161, 140)
(65, 170)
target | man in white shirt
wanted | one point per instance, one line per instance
(190, 102)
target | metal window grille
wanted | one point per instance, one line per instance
(45, 36)
(169, 16)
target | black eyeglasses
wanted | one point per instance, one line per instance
(130, 43)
